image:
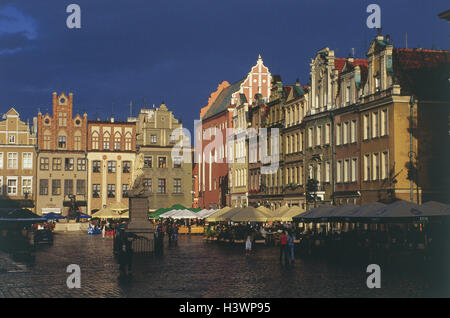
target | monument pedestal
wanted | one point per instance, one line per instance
(140, 225)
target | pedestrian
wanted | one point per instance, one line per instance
(175, 234)
(290, 243)
(248, 245)
(283, 248)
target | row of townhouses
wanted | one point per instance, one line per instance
(65, 160)
(362, 130)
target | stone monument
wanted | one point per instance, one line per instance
(138, 210)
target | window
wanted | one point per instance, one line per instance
(301, 142)
(106, 138)
(81, 187)
(345, 133)
(384, 165)
(56, 164)
(366, 127)
(353, 131)
(346, 170)
(47, 139)
(327, 171)
(96, 166)
(310, 137)
(162, 162)
(56, 187)
(384, 122)
(347, 95)
(117, 141)
(376, 166)
(173, 138)
(95, 140)
(77, 140)
(111, 190)
(27, 160)
(27, 186)
(374, 124)
(125, 189)
(148, 185)
(68, 164)
(366, 167)
(96, 191)
(13, 160)
(148, 162)
(161, 186)
(68, 186)
(339, 171)
(11, 185)
(62, 142)
(354, 169)
(126, 166)
(128, 141)
(1, 185)
(318, 135)
(111, 166)
(177, 162)
(327, 134)
(176, 185)
(153, 139)
(62, 119)
(43, 187)
(81, 164)
(12, 139)
(1, 160)
(44, 163)
(338, 134)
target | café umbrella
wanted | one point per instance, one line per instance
(215, 216)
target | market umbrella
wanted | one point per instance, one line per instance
(106, 213)
(83, 216)
(248, 214)
(53, 216)
(125, 215)
(118, 206)
(265, 210)
(286, 215)
(314, 215)
(214, 217)
(399, 210)
(341, 211)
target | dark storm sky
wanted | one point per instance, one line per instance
(179, 50)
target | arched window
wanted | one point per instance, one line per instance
(95, 140)
(117, 141)
(106, 140)
(128, 141)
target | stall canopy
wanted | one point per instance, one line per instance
(179, 214)
(19, 215)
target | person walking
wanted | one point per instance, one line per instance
(248, 245)
(175, 234)
(290, 243)
(283, 248)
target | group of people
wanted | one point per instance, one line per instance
(287, 239)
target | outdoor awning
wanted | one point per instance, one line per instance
(247, 214)
(118, 206)
(287, 215)
(106, 213)
(19, 215)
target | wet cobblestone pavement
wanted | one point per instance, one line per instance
(197, 268)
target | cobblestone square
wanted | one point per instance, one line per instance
(197, 268)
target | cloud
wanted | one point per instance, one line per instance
(13, 21)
